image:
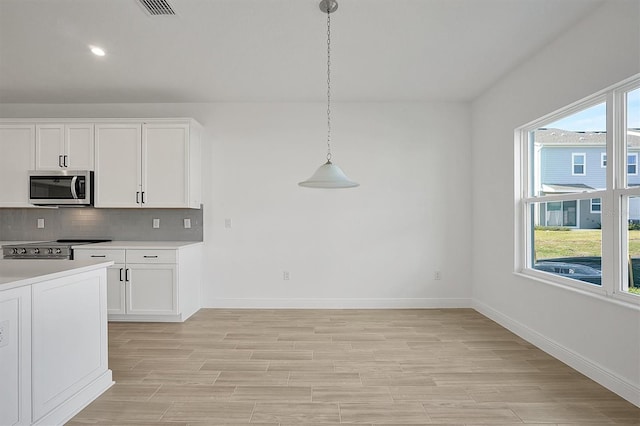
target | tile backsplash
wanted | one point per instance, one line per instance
(21, 224)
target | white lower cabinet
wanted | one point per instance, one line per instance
(151, 289)
(116, 289)
(149, 284)
(15, 356)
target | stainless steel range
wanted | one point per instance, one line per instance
(60, 249)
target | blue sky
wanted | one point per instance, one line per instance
(594, 118)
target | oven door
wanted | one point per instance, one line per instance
(60, 188)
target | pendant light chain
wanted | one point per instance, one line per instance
(328, 85)
(328, 175)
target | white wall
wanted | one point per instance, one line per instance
(598, 338)
(374, 246)
(377, 245)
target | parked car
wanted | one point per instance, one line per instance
(575, 271)
(587, 268)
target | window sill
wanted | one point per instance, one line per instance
(596, 292)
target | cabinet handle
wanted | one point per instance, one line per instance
(142, 197)
(152, 257)
(126, 274)
(65, 160)
(138, 197)
(121, 274)
(60, 161)
(98, 255)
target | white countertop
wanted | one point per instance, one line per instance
(138, 245)
(21, 272)
(123, 244)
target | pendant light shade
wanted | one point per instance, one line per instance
(328, 175)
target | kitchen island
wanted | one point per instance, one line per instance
(53, 339)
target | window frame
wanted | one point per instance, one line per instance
(599, 204)
(574, 155)
(603, 160)
(612, 198)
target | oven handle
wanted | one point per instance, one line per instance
(74, 181)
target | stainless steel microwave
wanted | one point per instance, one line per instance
(61, 187)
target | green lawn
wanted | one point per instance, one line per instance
(582, 242)
(579, 242)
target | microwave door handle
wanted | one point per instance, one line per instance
(74, 181)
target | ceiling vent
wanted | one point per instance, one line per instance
(157, 7)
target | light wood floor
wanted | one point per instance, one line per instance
(326, 367)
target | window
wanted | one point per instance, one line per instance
(578, 164)
(577, 230)
(632, 164)
(560, 213)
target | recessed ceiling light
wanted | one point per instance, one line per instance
(97, 51)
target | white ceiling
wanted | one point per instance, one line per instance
(269, 50)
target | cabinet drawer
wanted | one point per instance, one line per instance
(151, 256)
(99, 254)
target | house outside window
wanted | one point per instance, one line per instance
(578, 164)
(580, 229)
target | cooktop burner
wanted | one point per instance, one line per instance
(60, 249)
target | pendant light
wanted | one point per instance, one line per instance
(328, 175)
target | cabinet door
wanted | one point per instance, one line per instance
(78, 146)
(15, 356)
(17, 157)
(165, 167)
(151, 289)
(118, 165)
(49, 146)
(116, 289)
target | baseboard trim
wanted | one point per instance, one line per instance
(72, 406)
(593, 370)
(330, 303)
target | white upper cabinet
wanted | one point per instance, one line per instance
(118, 165)
(17, 154)
(155, 164)
(165, 165)
(64, 146)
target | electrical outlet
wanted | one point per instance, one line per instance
(40, 223)
(437, 275)
(285, 275)
(187, 223)
(4, 333)
(156, 223)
